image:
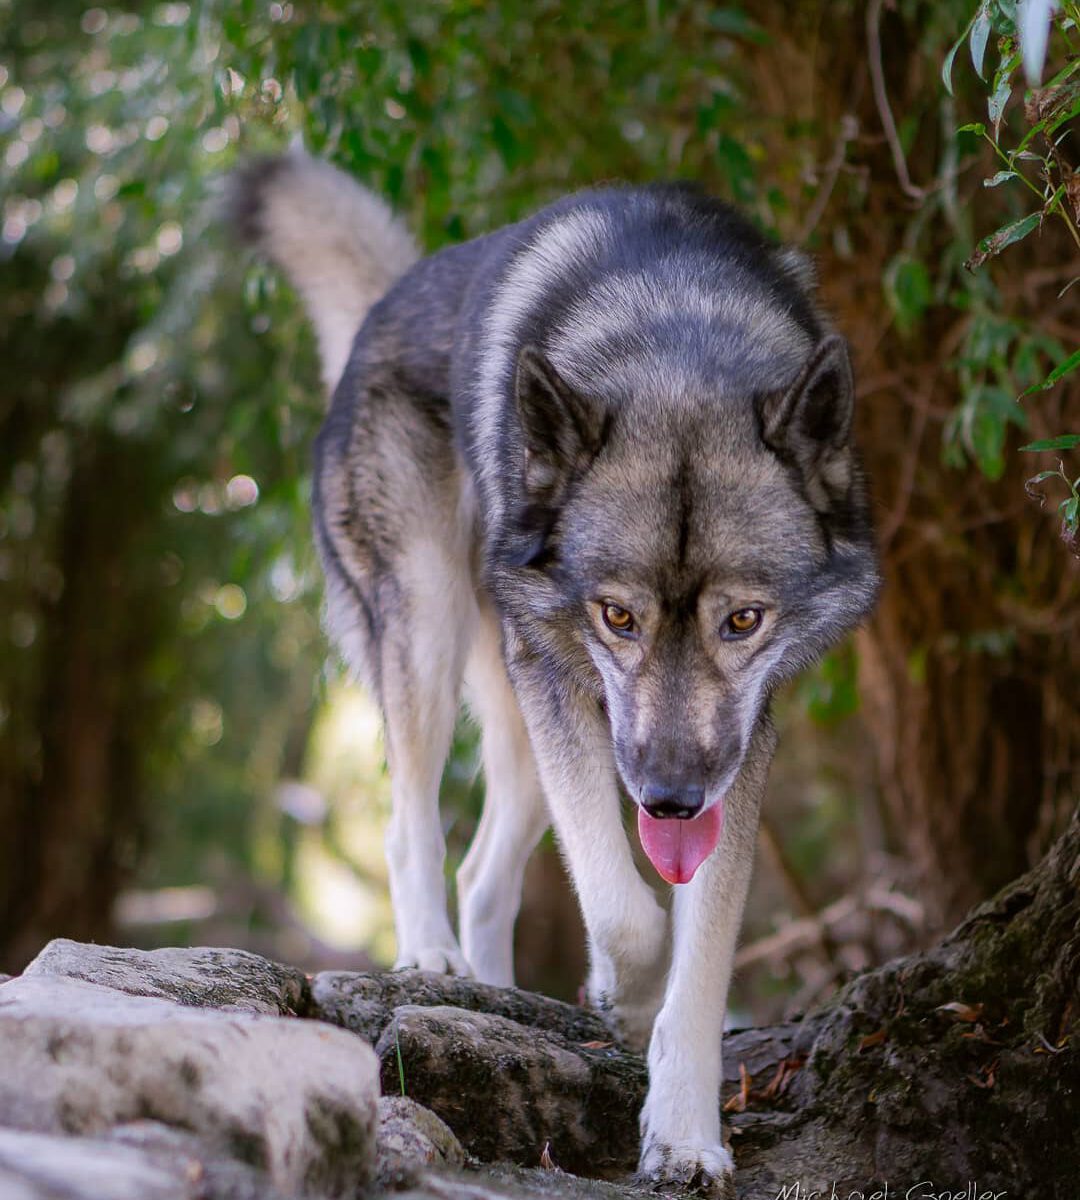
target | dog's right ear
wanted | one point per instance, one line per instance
(561, 431)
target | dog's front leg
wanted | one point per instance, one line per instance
(627, 929)
(680, 1122)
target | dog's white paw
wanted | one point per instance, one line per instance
(444, 960)
(708, 1170)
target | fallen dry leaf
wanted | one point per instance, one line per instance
(1047, 1048)
(739, 1101)
(786, 1070)
(597, 1045)
(960, 1011)
(1072, 191)
(989, 1076)
(872, 1039)
(546, 1161)
(792, 1066)
(772, 1088)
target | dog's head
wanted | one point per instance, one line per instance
(686, 555)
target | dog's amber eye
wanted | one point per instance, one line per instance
(742, 622)
(618, 620)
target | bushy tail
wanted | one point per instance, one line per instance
(340, 245)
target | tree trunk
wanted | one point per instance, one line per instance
(72, 823)
(959, 1064)
(970, 669)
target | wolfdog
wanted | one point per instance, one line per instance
(596, 468)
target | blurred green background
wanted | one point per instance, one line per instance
(181, 758)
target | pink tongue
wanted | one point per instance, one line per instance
(677, 848)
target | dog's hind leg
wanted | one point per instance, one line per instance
(515, 814)
(394, 527)
(429, 615)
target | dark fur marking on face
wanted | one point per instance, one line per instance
(681, 606)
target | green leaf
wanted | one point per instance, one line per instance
(1006, 236)
(999, 178)
(1036, 129)
(947, 65)
(1054, 203)
(830, 691)
(1062, 118)
(1070, 511)
(908, 289)
(736, 23)
(980, 32)
(988, 442)
(973, 127)
(1027, 364)
(1059, 372)
(1065, 441)
(1066, 72)
(1031, 486)
(986, 414)
(995, 105)
(1007, 8)
(1000, 401)
(505, 140)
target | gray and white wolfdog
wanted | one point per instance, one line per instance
(595, 470)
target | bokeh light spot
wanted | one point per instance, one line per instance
(231, 601)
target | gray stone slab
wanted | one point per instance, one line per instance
(410, 1138)
(294, 1098)
(365, 1001)
(201, 977)
(509, 1091)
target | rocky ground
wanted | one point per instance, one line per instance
(213, 1074)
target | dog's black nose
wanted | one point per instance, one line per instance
(663, 802)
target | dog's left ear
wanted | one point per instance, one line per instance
(561, 433)
(561, 430)
(809, 425)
